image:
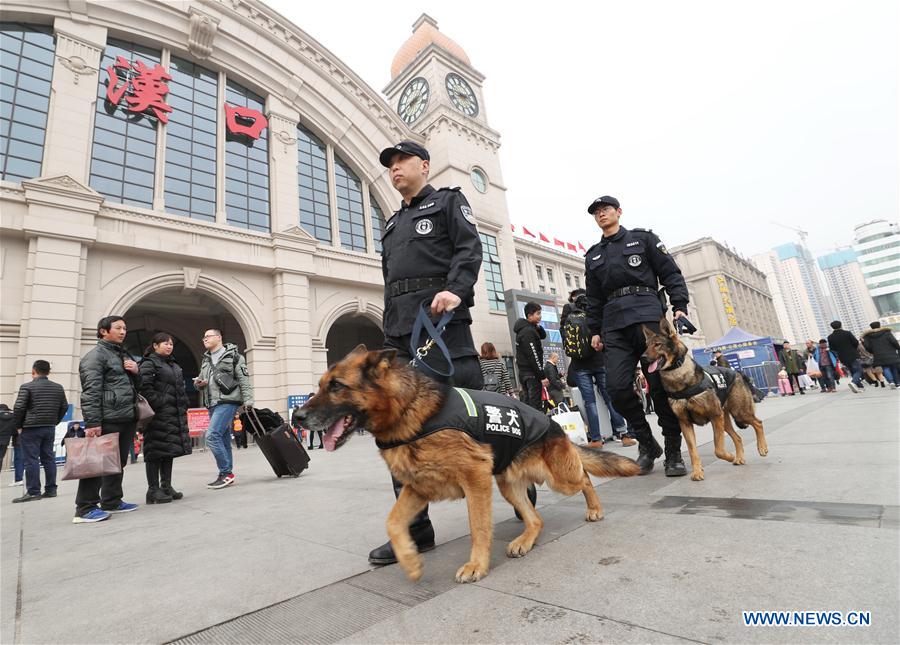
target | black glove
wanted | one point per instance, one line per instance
(684, 326)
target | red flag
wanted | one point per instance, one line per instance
(559, 243)
(581, 248)
(571, 246)
(527, 232)
(543, 238)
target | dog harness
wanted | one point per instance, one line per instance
(507, 425)
(720, 379)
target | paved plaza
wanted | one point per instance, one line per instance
(814, 526)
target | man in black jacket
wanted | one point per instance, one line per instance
(530, 354)
(110, 380)
(40, 405)
(846, 346)
(880, 342)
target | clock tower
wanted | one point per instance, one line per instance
(439, 95)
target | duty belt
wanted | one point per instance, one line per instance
(627, 291)
(408, 285)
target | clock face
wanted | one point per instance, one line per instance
(414, 100)
(461, 94)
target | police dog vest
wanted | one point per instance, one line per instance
(507, 425)
(720, 379)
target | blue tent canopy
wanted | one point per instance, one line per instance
(738, 335)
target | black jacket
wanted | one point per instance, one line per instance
(882, 345)
(845, 345)
(556, 387)
(162, 384)
(433, 237)
(7, 426)
(41, 402)
(107, 390)
(630, 258)
(529, 350)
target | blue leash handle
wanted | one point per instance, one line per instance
(423, 322)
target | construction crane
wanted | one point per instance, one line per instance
(803, 234)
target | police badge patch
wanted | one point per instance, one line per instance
(662, 248)
(467, 213)
(424, 226)
(634, 260)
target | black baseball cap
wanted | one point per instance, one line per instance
(404, 147)
(601, 201)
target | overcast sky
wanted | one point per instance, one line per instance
(705, 118)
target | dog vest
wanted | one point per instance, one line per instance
(507, 425)
(720, 379)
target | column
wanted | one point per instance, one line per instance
(293, 335)
(283, 191)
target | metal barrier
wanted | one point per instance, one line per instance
(764, 376)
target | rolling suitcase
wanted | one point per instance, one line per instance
(280, 446)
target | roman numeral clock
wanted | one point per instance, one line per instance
(414, 100)
(461, 94)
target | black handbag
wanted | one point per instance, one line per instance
(226, 382)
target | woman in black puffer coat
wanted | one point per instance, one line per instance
(167, 437)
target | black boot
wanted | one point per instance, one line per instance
(421, 530)
(157, 496)
(648, 449)
(165, 478)
(674, 463)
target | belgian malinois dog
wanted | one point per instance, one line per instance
(371, 390)
(694, 396)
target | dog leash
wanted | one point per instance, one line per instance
(423, 322)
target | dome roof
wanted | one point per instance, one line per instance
(425, 32)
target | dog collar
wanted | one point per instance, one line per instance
(704, 384)
(675, 365)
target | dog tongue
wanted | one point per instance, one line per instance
(652, 366)
(333, 434)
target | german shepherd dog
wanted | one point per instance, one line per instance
(371, 390)
(679, 372)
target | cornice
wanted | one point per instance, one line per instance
(444, 116)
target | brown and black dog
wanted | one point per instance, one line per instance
(693, 396)
(371, 390)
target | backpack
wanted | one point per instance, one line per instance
(575, 335)
(491, 380)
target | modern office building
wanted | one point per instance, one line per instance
(877, 246)
(844, 277)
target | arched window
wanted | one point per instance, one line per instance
(246, 199)
(312, 176)
(351, 220)
(377, 223)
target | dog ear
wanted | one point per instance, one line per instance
(648, 333)
(380, 362)
(665, 327)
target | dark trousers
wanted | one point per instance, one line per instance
(795, 382)
(37, 445)
(159, 472)
(531, 390)
(311, 434)
(623, 349)
(240, 439)
(826, 381)
(106, 491)
(466, 373)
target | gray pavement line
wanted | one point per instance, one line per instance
(17, 638)
(587, 613)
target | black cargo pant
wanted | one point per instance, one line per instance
(106, 491)
(531, 390)
(466, 373)
(623, 349)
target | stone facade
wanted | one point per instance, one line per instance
(71, 256)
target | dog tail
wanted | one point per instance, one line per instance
(607, 464)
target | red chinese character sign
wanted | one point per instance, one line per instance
(245, 121)
(148, 87)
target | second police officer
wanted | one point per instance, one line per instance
(623, 273)
(431, 251)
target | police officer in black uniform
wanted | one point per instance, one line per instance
(431, 251)
(623, 272)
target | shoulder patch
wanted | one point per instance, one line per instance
(662, 248)
(467, 214)
(642, 230)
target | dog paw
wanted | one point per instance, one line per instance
(518, 547)
(725, 456)
(738, 461)
(470, 572)
(697, 475)
(593, 515)
(763, 450)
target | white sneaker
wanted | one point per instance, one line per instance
(21, 482)
(893, 386)
(854, 387)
